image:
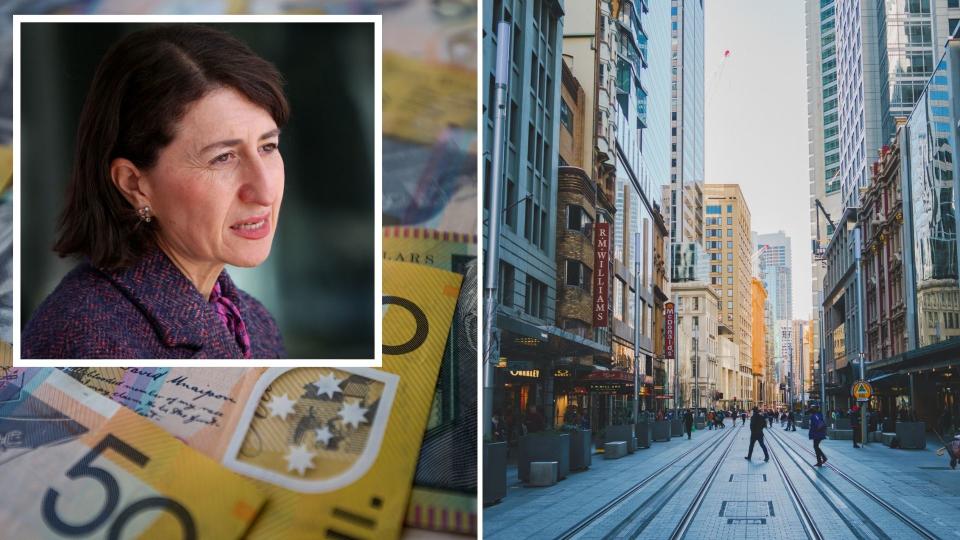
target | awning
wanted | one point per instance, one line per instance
(577, 345)
(881, 377)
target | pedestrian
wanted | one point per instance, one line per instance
(710, 421)
(855, 424)
(688, 423)
(534, 421)
(783, 418)
(770, 415)
(756, 434)
(953, 449)
(790, 422)
(743, 418)
(817, 433)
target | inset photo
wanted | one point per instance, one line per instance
(197, 189)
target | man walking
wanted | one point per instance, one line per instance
(710, 421)
(817, 433)
(790, 419)
(756, 434)
(688, 423)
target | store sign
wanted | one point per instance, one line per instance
(601, 278)
(534, 373)
(613, 375)
(561, 373)
(668, 331)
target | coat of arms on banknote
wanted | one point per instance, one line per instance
(313, 429)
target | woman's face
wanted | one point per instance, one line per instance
(216, 188)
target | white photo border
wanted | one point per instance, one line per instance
(377, 21)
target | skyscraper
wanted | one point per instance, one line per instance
(774, 256)
(728, 246)
(685, 203)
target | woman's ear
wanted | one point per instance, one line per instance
(129, 180)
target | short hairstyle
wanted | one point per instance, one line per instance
(141, 90)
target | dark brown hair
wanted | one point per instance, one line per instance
(141, 90)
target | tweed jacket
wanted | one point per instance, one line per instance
(148, 310)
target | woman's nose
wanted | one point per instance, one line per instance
(260, 181)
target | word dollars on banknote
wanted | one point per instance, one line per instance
(334, 448)
(75, 464)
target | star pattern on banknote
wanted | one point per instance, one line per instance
(281, 406)
(323, 435)
(300, 458)
(352, 413)
(328, 384)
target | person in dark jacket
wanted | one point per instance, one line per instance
(757, 423)
(855, 424)
(688, 423)
(817, 433)
(177, 174)
(790, 422)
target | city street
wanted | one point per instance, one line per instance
(703, 488)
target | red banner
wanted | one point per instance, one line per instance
(601, 272)
(669, 350)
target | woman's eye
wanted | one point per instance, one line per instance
(222, 158)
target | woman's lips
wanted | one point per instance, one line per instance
(253, 228)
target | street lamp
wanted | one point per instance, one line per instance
(696, 364)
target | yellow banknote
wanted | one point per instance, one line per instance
(421, 99)
(336, 448)
(440, 249)
(83, 466)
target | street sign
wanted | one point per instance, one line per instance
(669, 346)
(861, 390)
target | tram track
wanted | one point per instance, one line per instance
(794, 452)
(637, 519)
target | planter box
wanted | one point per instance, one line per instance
(887, 438)
(622, 433)
(676, 428)
(581, 449)
(644, 431)
(661, 430)
(842, 423)
(805, 423)
(543, 447)
(912, 435)
(494, 472)
(700, 424)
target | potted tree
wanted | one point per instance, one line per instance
(548, 445)
(580, 446)
(494, 471)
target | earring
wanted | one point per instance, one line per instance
(144, 214)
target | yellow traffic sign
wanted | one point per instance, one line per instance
(861, 390)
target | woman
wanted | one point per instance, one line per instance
(177, 173)
(817, 433)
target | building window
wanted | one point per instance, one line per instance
(729, 292)
(579, 275)
(713, 209)
(729, 208)
(729, 305)
(730, 268)
(506, 291)
(729, 233)
(716, 268)
(535, 301)
(729, 221)
(729, 245)
(729, 256)
(618, 306)
(579, 220)
(730, 280)
(566, 116)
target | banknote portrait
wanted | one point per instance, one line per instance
(198, 190)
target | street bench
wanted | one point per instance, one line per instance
(543, 473)
(614, 449)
